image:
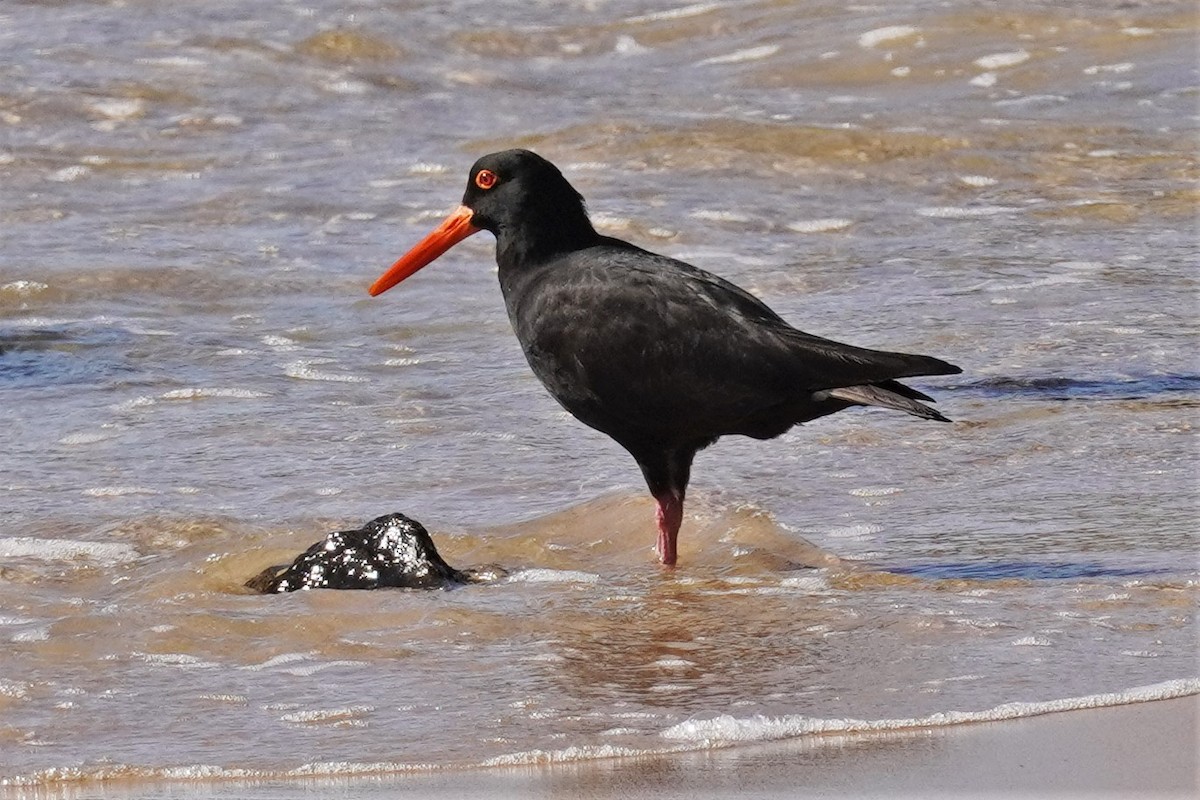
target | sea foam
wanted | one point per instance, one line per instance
(65, 550)
(727, 729)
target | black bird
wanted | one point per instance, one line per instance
(663, 357)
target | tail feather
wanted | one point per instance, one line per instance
(905, 391)
(889, 394)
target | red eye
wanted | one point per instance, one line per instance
(485, 179)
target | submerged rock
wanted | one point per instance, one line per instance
(389, 551)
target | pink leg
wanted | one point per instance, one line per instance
(669, 517)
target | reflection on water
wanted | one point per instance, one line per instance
(194, 384)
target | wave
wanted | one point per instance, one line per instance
(66, 550)
(691, 736)
(726, 730)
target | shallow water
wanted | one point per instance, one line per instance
(194, 384)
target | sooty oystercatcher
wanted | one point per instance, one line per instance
(662, 356)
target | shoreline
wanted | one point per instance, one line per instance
(1135, 749)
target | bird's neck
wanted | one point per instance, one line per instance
(536, 239)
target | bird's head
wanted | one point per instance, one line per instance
(517, 195)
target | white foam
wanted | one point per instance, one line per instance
(1114, 69)
(116, 491)
(1049, 280)
(120, 108)
(962, 212)
(24, 288)
(611, 221)
(726, 729)
(587, 166)
(202, 392)
(233, 699)
(176, 660)
(891, 33)
(978, 181)
(676, 13)
(820, 225)
(303, 369)
(876, 491)
(39, 634)
(738, 56)
(1033, 641)
(191, 772)
(859, 531)
(174, 61)
(719, 215)
(673, 662)
(1033, 100)
(620, 732)
(66, 550)
(554, 576)
(346, 86)
(560, 756)
(1001, 60)
(315, 668)
(634, 715)
(276, 342)
(84, 438)
(628, 46)
(137, 402)
(72, 173)
(282, 658)
(280, 706)
(983, 623)
(848, 99)
(327, 715)
(420, 168)
(805, 583)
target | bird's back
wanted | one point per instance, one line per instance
(641, 345)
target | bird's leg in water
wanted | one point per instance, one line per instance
(669, 517)
(666, 472)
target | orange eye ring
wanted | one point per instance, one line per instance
(486, 179)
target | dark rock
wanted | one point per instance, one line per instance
(389, 551)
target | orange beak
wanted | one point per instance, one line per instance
(453, 230)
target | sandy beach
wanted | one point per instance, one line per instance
(1137, 750)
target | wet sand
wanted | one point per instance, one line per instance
(1136, 750)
